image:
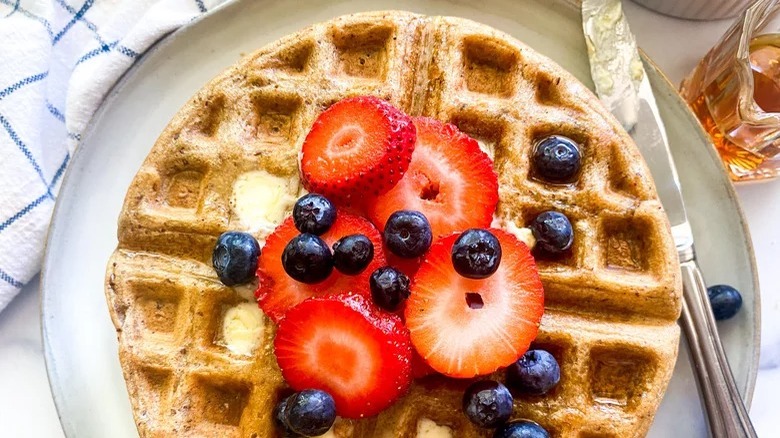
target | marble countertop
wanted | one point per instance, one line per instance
(26, 406)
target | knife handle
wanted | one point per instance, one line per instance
(726, 412)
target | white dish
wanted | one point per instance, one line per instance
(79, 340)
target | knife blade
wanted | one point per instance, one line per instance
(622, 85)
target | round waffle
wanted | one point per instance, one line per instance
(611, 304)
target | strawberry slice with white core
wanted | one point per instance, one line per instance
(277, 292)
(360, 146)
(450, 180)
(348, 347)
(464, 327)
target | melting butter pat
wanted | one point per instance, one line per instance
(522, 234)
(242, 328)
(427, 428)
(261, 200)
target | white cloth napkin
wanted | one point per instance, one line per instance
(58, 59)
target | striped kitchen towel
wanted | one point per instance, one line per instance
(58, 60)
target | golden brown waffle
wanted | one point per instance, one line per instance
(611, 305)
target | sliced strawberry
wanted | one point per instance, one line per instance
(345, 345)
(463, 327)
(277, 292)
(420, 367)
(450, 180)
(407, 266)
(358, 147)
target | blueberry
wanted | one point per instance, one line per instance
(476, 253)
(725, 300)
(235, 257)
(389, 288)
(351, 254)
(536, 372)
(521, 429)
(314, 214)
(557, 159)
(280, 416)
(310, 412)
(307, 259)
(487, 403)
(553, 232)
(408, 234)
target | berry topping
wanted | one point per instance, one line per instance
(310, 412)
(313, 214)
(307, 259)
(351, 254)
(407, 266)
(359, 146)
(553, 232)
(389, 288)
(280, 416)
(536, 373)
(235, 257)
(450, 180)
(521, 429)
(277, 292)
(407, 234)
(464, 327)
(725, 300)
(420, 367)
(345, 345)
(476, 253)
(557, 159)
(487, 403)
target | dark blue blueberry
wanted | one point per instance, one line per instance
(235, 257)
(307, 259)
(280, 414)
(725, 300)
(351, 254)
(553, 232)
(310, 412)
(389, 288)
(487, 403)
(408, 234)
(314, 214)
(476, 253)
(521, 429)
(557, 159)
(536, 372)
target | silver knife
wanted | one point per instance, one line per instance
(622, 85)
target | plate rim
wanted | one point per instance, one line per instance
(89, 131)
(112, 95)
(732, 192)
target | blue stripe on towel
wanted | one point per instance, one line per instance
(107, 48)
(22, 147)
(26, 81)
(55, 112)
(76, 17)
(60, 171)
(29, 14)
(28, 208)
(16, 8)
(10, 280)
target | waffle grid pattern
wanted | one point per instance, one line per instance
(611, 304)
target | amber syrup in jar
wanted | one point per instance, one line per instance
(716, 104)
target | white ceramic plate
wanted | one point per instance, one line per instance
(79, 340)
